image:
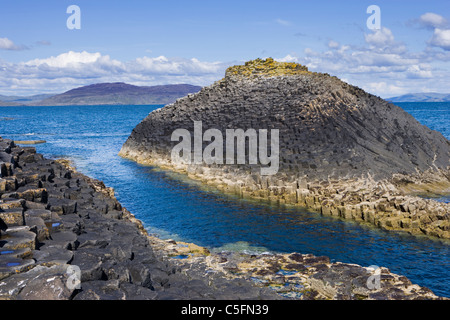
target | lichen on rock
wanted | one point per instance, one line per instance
(267, 68)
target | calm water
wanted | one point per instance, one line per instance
(173, 207)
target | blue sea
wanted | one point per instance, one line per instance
(172, 206)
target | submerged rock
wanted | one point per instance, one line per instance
(30, 141)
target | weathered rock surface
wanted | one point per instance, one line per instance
(299, 276)
(343, 152)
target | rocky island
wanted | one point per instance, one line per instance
(342, 151)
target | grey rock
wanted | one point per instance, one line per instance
(100, 290)
(140, 275)
(38, 226)
(63, 239)
(3, 226)
(90, 263)
(49, 256)
(135, 292)
(12, 217)
(63, 206)
(18, 238)
(41, 213)
(40, 283)
(11, 265)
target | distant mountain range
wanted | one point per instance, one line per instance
(17, 100)
(422, 97)
(117, 93)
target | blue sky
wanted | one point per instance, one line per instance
(160, 42)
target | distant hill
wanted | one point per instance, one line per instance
(19, 100)
(119, 93)
(9, 104)
(422, 97)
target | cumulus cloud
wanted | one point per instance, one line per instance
(333, 44)
(175, 66)
(383, 40)
(7, 44)
(432, 20)
(386, 88)
(440, 27)
(380, 38)
(62, 72)
(288, 58)
(441, 39)
(383, 65)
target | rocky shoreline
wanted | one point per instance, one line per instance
(60, 221)
(383, 204)
(57, 222)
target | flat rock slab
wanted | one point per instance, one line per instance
(40, 283)
(63, 206)
(11, 203)
(50, 256)
(41, 213)
(18, 239)
(63, 239)
(11, 265)
(19, 253)
(12, 217)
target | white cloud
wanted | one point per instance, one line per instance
(288, 58)
(380, 38)
(441, 39)
(175, 66)
(440, 27)
(71, 59)
(7, 44)
(382, 65)
(283, 22)
(70, 69)
(385, 66)
(387, 89)
(432, 20)
(333, 44)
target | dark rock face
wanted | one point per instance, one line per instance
(328, 129)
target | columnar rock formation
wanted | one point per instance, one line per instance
(65, 236)
(342, 151)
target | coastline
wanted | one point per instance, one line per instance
(119, 260)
